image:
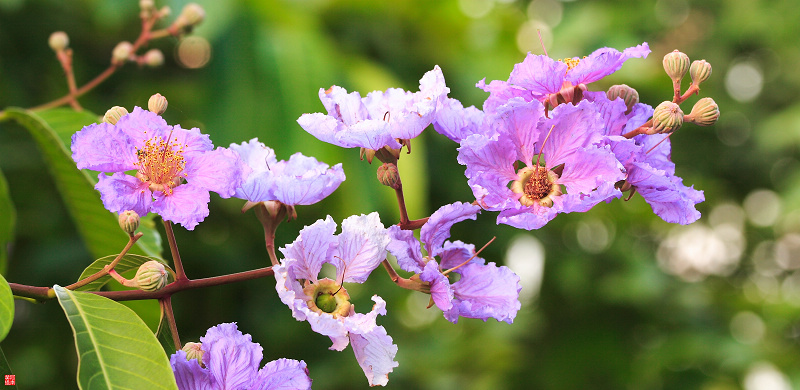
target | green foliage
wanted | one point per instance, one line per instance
(115, 348)
(6, 308)
(94, 222)
(127, 263)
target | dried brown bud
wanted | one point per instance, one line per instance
(388, 175)
(628, 95)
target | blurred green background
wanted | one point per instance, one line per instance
(612, 299)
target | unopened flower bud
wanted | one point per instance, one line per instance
(700, 71)
(151, 276)
(628, 95)
(164, 11)
(113, 115)
(157, 104)
(129, 221)
(121, 53)
(191, 15)
(676, 64)
(146, 5)
(667, 117)
(704, 113)
(154, 58)
(388, 175)
(58, 41)
(194, 351)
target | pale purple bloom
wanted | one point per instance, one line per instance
(380, 118)
(176, 168)
(231, 360)
(355, 252)
(456, 122)
(483, 291)
(573, 175)
(646, 158)
(299, 181)
(542, 78)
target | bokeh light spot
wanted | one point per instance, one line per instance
(525, 256)
(763, 207)
(193, 52)
(744, 81)
(747, 327)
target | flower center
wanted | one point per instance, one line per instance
(161, 164)
(536, 185)
(326, 296)
(571, 62)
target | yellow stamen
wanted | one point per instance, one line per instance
(161, 163)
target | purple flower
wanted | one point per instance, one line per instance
(175, 168)
(646, 158)
(230, 360)
(300, 181)
(542, 78)
(456, 122)
(324, 303)
(483, 291)
(379, 119)
(564, 168)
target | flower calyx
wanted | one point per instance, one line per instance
(327, 296)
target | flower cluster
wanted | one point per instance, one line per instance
(228, 359)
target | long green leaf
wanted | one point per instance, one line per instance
(128, 262)
(115, 348)
(5, 369)
(97, 226)
(6, 308)
(8, 218)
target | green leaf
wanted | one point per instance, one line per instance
(128, 262)
(6, 308)
(5, 369)
(115, 348)
(98, 227)
(8, 218)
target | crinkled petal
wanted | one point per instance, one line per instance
(437, 229)
(303, 180)
(456, 122)
(519, 119)
(501, 92)
(290, 291)
(406, 248)
(312, 248)
(590, 168)
(492, 192)
(120, 192)
(362, 247)
(485, 291)
(324, 127)
(231, 357)
(193, 141)
(369, 134)
(256, 155)
(488, 155)
(188, 373)
(218, 170)
(186, 205)
(102, 147)
(283, 374)
(375, 354)
(347, 108)
(530, 217)
(539, 74)
(580, 202)
(669, 198)
(141, 125)
(455, 253)
(604, 62)
(441, 291)
(573, 128)
(364, 323)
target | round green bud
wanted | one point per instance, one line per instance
(121, 53)
(704, 113)
(154, 58)
(151, 276)
(326, 302)
(129, 221)
(326, 296)
(388, 175)
(676, 64)
(194, 351)
(628, 95)
(157, 104)
(700, 71)
(113, 115)
(58, 41)
(667, 117)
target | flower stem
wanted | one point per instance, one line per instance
(107, 268)
(166, 306)
(180, 274)
(46, 293)
(401, 202)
